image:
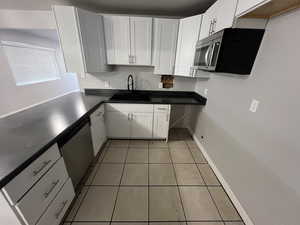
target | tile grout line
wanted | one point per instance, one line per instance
(178, 189)
(88, 187)
(113, 212)
(206, 185)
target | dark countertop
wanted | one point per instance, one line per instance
(155, 97)
(26, 135)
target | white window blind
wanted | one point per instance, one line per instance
(31, 64)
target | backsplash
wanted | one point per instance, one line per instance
(143, 77)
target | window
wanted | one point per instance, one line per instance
(31, 64)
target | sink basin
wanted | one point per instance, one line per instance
(130, 96)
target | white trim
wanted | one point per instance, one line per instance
(25, 45)
(251, 9)
(36, 104)
(226, 186)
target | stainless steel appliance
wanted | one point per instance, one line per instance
(231, 50)
(77, 151)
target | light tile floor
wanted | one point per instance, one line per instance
(141, 182)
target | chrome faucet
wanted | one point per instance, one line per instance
(130, 83)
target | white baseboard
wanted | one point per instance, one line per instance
(226, 186)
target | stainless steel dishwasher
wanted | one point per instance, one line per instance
(77, 150)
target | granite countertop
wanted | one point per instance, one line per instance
(155, 97)
(26, 135)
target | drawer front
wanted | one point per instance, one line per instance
(59, 206)
(110, 107)
(35, 202)
(161, 108)
(16, 188)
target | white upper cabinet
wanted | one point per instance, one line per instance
(207, 22)
(225, 12)
(245, 6)
(117, 33)
(165, 41)
(141, 40)
(81, 36)
(218, 17)
(128, 40)
(187, 39)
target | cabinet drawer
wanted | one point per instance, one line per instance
(161, 108)
(34, 203)
(129, 107)
(16, 188)
(59, 206)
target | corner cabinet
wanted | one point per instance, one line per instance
(81, 35)
(187, 39)
(165, 42)
(128, 40)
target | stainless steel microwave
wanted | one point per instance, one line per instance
(231, 50)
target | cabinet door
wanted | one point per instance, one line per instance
(245, 6)
(118, 124)
(66, 21)
(98, 131)
(141, 125)
(161, 125)
(165, 41)
(117, 38)
(224, 14)
(205, 26)
(187, 38)
(141, 40)
(93, 45)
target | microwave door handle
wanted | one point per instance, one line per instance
(206, 56)
(211, 53)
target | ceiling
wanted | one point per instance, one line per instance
(143, 7)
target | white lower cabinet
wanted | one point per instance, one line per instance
(59, 206)
(161, 121)
(34, 203)
(141, 125)
(98, 129)
(137, 121)
(17, 187)
(45, 202)
(118, 124)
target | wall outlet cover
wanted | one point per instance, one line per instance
(160, 85)
(254, 105)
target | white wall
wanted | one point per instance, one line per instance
(14, 97)
(258, 153)
(26, 19)
(143, 76)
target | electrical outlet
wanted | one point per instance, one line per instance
(106, 84)
(205, 92)
(160, 85)
(254, 105)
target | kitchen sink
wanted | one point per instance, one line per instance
(134, 96)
